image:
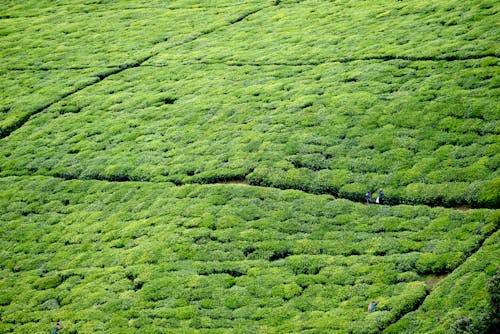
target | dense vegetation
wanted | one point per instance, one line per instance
(108, 257)
(198, 166)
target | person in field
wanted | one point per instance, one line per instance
(371, 306)
(380, 197)
(58, 327)
(368, 197)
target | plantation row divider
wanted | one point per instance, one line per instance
(41, 14)
(339, 60)
(429, 290)
(117, 70)
(239, 64)
(235, 181)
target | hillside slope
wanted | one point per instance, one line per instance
(201, 166)
(149, 257)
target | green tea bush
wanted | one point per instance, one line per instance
(301, 264)
(454, 297)
(414, 294)
(493, 289)
(439, 264)
(396, 153)
(137, 173)
(489, 197)
(47, 282)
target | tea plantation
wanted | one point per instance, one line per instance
(201, 166)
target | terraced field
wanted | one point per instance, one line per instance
(201, 166)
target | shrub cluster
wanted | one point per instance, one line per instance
(129, 134)
(235, 137)
(106, 256)
(466, 302)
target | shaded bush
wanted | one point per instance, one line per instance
(490, 195)
(462, 325)
(47, 282)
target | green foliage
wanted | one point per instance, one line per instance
(490, 197)
(163, 108)
(155, 161)
(464, 301)
(110, 256)
(493, 288)
(47, 282)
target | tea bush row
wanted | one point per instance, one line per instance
(113, 256)
(51, 50)
(466, 301)
(233, 136)
(25, 92)
(312, 32)
(309, 105)
(103, 35)
(404, 122)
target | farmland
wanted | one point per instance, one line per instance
(201, 166)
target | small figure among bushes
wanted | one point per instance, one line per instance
(368, 197)
(58, 327)
(371, 306)
(380, 197)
